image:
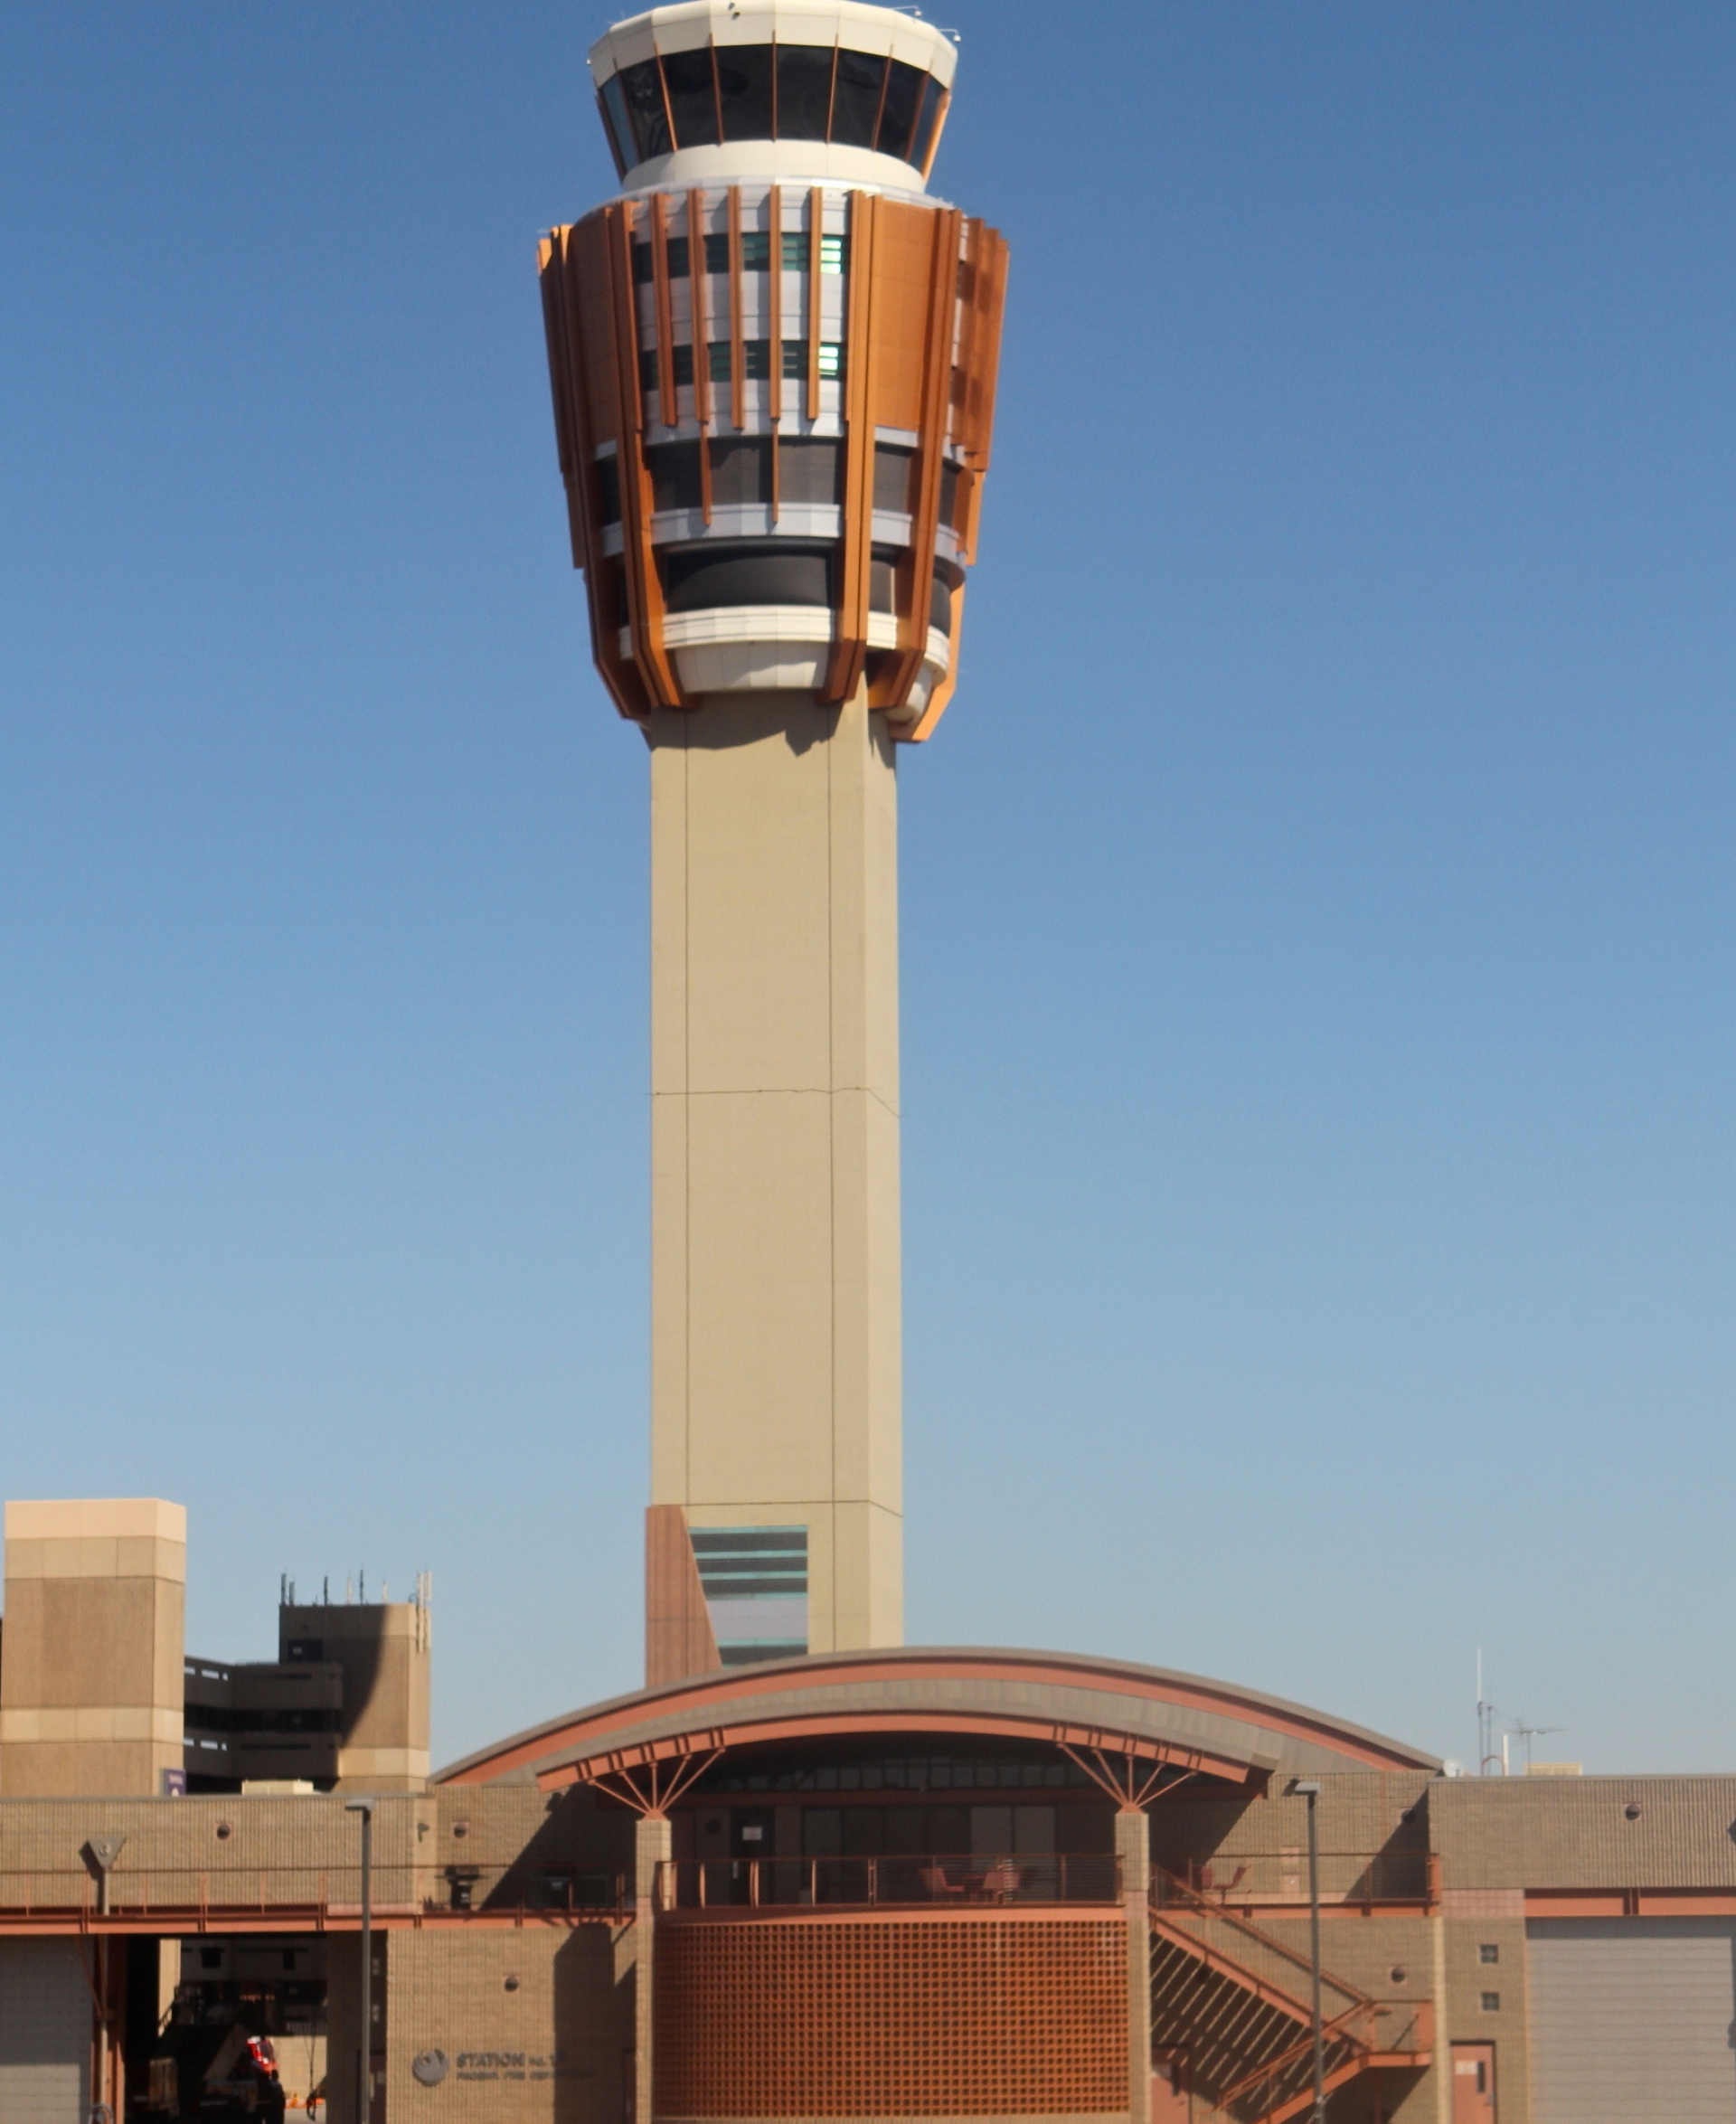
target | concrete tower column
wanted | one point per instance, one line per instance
(1133, 1849)
(652, 1846)
(773, 360)
(775, 1312)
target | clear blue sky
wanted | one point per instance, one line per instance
(1318, 903)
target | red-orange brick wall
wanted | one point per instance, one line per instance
(978, 2018)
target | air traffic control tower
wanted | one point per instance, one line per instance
(773, 360)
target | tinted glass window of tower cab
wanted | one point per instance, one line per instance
(770, 92)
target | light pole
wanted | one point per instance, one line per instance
(103, 1851)
(1309, 1788)
(364, 2052)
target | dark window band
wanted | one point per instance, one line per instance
(756, 362)
(810, 471)
(755, 255)
(759, 571)
(770, 92)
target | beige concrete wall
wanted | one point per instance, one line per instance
(385, 1651)
(533, 2025)
(1599, 1832)
(91, 1669)
(775, 1312)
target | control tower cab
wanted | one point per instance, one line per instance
(773, 361)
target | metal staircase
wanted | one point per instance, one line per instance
(1235, 2000)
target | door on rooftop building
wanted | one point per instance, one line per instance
(1631, 2020)
(1473, 2084)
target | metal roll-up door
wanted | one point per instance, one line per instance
(45, 2032)
(1632, 2020)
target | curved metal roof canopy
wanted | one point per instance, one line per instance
(1146, 1714)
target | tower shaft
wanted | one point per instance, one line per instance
(776, 1313)
(773, 359)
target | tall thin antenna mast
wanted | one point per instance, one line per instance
(1487, 1759)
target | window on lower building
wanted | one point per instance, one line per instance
(1488, 1953)
(1490, 2002)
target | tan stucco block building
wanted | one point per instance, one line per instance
(92, 1655)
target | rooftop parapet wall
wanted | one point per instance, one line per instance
(1595, 1832)
(1365, 1816)
(226, 1848)
(385, 1653)
(96, 1538)
(233, 1851)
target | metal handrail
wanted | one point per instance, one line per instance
(1197, 1906)
(1281, 1876)
(52, 1895)
(964, 1880)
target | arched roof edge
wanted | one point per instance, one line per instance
(514, 1755)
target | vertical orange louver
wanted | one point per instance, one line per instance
(815, 242)
(668, 395)
(850, 644)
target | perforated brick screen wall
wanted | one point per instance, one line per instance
(887, 2019)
